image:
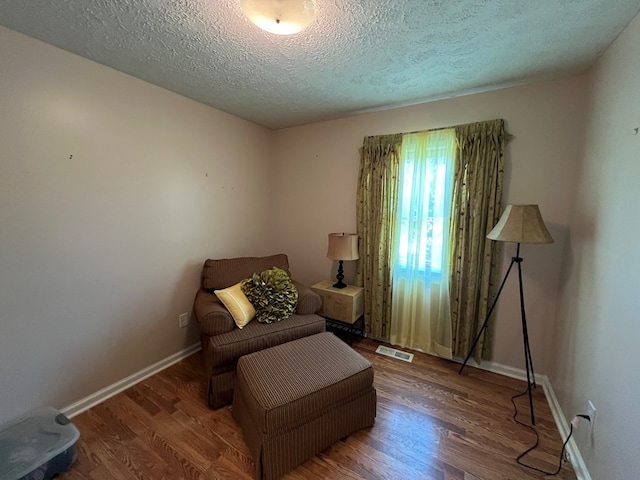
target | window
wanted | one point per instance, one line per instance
(420, 300)
(423, 203)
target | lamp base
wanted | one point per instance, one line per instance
(339, 276)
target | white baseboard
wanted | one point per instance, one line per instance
(117, 387)
(501, 369)
(577, 462)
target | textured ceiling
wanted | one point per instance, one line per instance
(358, 55)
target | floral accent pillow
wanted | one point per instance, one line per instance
(272, 294)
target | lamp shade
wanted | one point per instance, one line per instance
(521, 224)
(343, 246)
(283, 17)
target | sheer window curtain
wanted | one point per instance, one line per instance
(420, 306)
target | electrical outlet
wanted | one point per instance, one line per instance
(591, 411)
(183, 320)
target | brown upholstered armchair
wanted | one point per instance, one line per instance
(223, 343)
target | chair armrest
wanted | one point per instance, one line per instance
(308, 301)
(213, 318)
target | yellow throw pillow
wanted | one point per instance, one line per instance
(237, 303)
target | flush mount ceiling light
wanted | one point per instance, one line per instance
(283, 17)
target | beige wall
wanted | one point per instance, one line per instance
(596, 335)
(318, 168)
(112, 193)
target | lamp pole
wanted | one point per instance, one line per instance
(531, 377)
(525, 334)
(518, 224)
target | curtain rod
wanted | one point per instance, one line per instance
(507, 134)
(432, 129)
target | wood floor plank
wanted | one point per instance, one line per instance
(431, 424)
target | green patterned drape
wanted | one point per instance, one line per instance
(377, 200)
(477, 195)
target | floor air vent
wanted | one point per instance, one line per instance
(393, 353)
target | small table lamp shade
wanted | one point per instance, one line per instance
(342, 246)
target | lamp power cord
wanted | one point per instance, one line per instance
(573, 424)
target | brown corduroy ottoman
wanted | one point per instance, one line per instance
(296, 399)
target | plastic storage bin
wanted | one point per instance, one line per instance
(38, 446)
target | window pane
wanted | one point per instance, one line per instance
(422, 206)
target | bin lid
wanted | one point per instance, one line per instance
(33, 440)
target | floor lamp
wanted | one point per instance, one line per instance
(518, 224)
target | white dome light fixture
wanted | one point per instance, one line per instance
(282, 17)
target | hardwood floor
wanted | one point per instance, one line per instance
(431, 424)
